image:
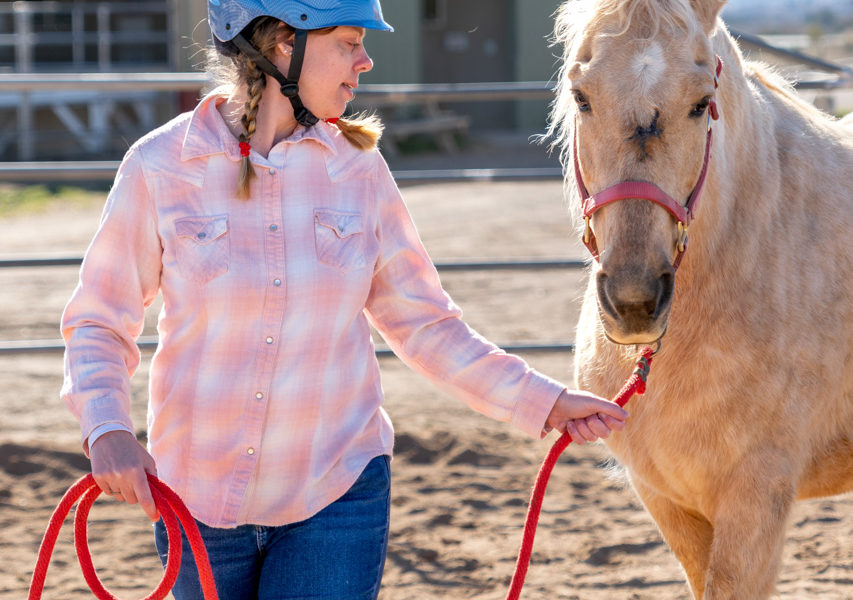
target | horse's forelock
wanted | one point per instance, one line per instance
(611, 18)
(620, 15)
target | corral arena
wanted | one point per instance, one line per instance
(461, 482)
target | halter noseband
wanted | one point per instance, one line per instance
(648, 191)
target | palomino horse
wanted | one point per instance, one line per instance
(750, 398)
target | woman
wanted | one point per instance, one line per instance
(276, 235)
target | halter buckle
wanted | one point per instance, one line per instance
(681, 245)
(587, 230)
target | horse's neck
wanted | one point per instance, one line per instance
(744, 163)
(776, 167)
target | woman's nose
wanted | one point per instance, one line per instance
(364, 62)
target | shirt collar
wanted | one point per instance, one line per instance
(207, 132)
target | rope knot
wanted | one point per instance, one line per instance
(642, 373)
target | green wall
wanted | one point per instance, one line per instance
(535, 59)
(397, 55)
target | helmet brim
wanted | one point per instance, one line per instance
(227, 18)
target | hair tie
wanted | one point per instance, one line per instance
(244, 149)
(332, 121)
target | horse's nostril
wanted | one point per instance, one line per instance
(667, 286)
(604, 301)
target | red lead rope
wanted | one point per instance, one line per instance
(169, 504)
(171, 508)
(636, 384)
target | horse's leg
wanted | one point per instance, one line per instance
(749, 522)
(688, 535)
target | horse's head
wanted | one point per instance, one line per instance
(634, 99)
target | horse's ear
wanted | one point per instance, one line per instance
(708, 11)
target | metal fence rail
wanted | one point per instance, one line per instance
(17, 347)
(376, 93)
(537, 264)
(754, 41)
(150, 343)
(41, 172)
(386, 93)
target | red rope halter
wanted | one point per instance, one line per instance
(636, 384)
(171, 508)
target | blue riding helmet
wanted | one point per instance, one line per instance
(230, 23)
(228, 17)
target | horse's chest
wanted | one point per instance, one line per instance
(680, 438)
(673, 456)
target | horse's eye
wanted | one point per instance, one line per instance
(581, 101)
(700, 108)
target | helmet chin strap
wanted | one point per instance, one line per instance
(289, 84)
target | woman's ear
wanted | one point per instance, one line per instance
(285, 47)
(285, 43)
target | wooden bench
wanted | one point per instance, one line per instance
(429, 119)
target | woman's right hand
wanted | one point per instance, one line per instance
(119, 465)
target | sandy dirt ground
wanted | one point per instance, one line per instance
(461, 482)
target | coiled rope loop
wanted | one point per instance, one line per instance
(171, 508)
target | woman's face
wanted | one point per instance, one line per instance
(333, 61)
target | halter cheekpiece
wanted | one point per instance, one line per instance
(643, 190)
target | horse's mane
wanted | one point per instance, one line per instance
(605, 18)
(783, 88)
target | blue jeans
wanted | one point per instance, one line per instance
(338, 554)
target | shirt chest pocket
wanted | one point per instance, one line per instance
(203, 250)
(339, 239)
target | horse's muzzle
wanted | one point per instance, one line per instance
(634, 307)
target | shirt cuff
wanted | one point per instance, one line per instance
(101, 430)
(535, 404)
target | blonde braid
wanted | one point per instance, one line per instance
(255, 83)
